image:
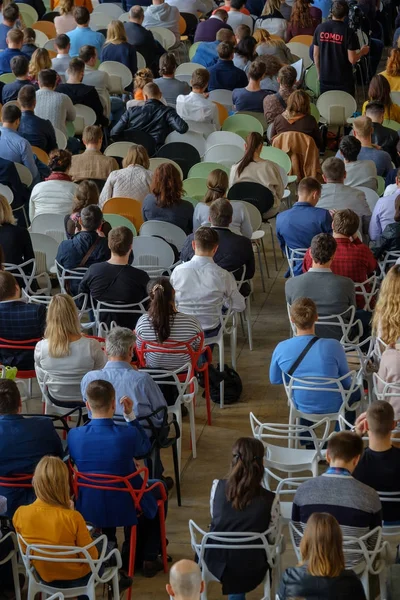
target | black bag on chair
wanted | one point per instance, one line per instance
(233, 386)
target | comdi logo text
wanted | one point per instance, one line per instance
(326, 36)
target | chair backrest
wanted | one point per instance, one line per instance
(344, 321)
(253, 193)
(25, 272)
(119, 220)
(29, 10)
(167, 231)
(184, 154)
(153, 255)
(223, 97)
(119, 149)
(253, 212)
(135, 136)
(193, 49)
(141, 63)
(195, 187)
(194, 139)
(50, 16)
(307, 40)
(187, 68)
(61, 139)
(124, 18)
(99, 21)
(24, 174)
(65, 276)
(45, 27)
(224, 153)
(47, 247)
(277, 156)
(156, 162)
(203, 169)
(294, 257)
(51, 225)
(242, 125)
(7, 193)
(336, 107)
(41, 154)
(302, 51)
(391, 124)
(105, 308)
(112, 10)
(166, 38)
(7, 78)
(389, 259)
(87, 114)
(180, 348)
(224, 137)
(389, 391)
(49, 45)
(115, 68)
(370, 195)
(126, 207)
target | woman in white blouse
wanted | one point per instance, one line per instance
(217, 186)
(133, 181)
(64, 353)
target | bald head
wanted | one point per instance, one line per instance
(185, 581)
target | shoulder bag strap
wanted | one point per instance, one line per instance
(302, 355)
(89, 253)
(281, 100)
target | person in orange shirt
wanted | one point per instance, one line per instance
(86, 3)
(227, 7)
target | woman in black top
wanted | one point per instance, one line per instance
(321, 574)
(297, 118)
(15, 241)
(241, 504)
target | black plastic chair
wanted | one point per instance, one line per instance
(184, 154)
(50, 16)
(137, 137)
(254, 193)
(191, 24)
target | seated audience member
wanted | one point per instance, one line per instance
(61, 62)
(161, 14)
(236, 17)
(142, 77)
(38, 132)
(39, 62)
(18, 321)
(52, 105)
(355, 506)
(389, 240)
(272, 19)
(304, 19)
(333, 294)
(336, 195)
(258, 170)
(163, 322)
(227, 7)
(297, 118)
(224, 75)
(29, 45)
(9, 176)
(23, 442)
(384, 211)
(15, 40)
(118, 49)
(392, 73)
(321, 571)
(86, 247)
(193, 7)
(98, 79)
(234, 250)
(217, 187)
(66, 21)
(142, 39)
(116, 281)
(382, 137)
(240, 503)
(352, 258)
(10, 16)
(196, 108)
(321, 357)
(185, 582)
(56, 193)
(272, 46)
(65, 352)
(154, 117)
(296, 227)
(385, 323)
(169, 86)
(92, 164)
(13, 146)
(83, 35)
(79, 92)
(133, 180)
(206, 31)
(275, 104)
(379, 91)
(19, 67)
(207, 52)
(6, 568)
(270, 81)
(87, 193)
(15, 241)
(201, 284)
(245, 53)
(165, 203)
(363, 130)
(252, 96)
(359, 173)
(379, 464)
(106, 447)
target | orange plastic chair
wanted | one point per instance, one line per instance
(222, 112)
(307, 40)
(126, 207)
(182, 25)
(86, 3)
(46, 27)
(52, 54)
(41, 154)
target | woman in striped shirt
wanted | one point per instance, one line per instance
(163, 322)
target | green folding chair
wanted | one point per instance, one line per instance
(311, 80)
(192, 49)
(391, 124)
(119, 221)
(381, 186)
(196, 187)
(202, 170)
(242, 125)
(280, 158)
(8, 78)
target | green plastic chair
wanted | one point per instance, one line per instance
(389, 123)
(242, 125)
(277, 156)
(192, 49)
(196, 187)
(311, 80)
(191, 200)
(70, 129)
(202, 170)
(314, 112)
(7, 78)
(381, 185)
(119, 220)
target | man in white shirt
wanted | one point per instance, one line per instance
(189, 6)
(61, 62)
(162, 14)
(236, 17)
(201, 287)
(200, 113)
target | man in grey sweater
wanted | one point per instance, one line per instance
(333, 294)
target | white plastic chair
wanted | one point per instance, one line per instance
(41, 553)
(45, 248)
(24, 174)
(390, 533)
(153, 255)
(29, 10)
(115, 68)
(24, 272)
(242, 541)
(345, 321)
(395, 96)
(168, 231)
(302, 51)
(384, 390)
(187, 68)
(101, 308)
(294, 256)
(61, 139)
(99, 20)
(223, 153)
(51, 225)
(287, 487)
(112, 10)
(156, 162)
(369, 290)
(389, 259)
(7, 193)
(166, 38)
(49, 45)
(194, 139)
(247, 310)
(87, 117)
(119, 149)
(41, 39)
(13, 557)
(124, 18)
(336, 107)
(370, 195)
(59, 388)
(224, 137)
(223, 97)
(65, 276)
(141, 63)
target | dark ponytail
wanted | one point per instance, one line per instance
(247, 470)
(253, 141)
(161, 308)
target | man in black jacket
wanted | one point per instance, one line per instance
(142, 39)
(233, 251)
(384, 137)
(154, 117)
(39, 132)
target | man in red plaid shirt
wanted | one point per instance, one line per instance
(352, 258)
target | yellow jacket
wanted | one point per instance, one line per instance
(42, 523)
(394, 82)
(394, 113)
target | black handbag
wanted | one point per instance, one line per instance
(232, 389)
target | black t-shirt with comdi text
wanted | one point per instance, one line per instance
(334, 39)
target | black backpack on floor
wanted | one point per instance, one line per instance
(233, 385)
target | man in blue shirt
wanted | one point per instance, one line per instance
(224, 75)
(10, 17)
(12, 145)
(14, 40)
(39, 132)
(297, 226)
(207, 52)
(19, 67)
(82, 35)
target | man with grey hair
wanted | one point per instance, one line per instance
(185, 581)
(142, 39)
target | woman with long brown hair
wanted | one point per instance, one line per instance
(297, 118)
(386, 319)
(379, 91)
(217, 187)
(392, 71)
(321, 572)
(256, 169)
(165, 202)
(304, 19)
(241, 504)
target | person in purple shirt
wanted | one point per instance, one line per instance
(383, 213)
(14, 40)
(224, 75)
(206, 31)
(251, 97)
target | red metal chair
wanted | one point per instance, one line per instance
(18, 480)
(22, 345)
(144, 347)
(97, 481)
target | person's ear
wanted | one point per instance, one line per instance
(345, 174)
(202, 586)
(328, 457)
(324, 178)
(88, 406)
(194, 245)
(170, 591)
(394, 425)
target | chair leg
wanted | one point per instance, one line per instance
(221, 368)
(234, 344)
(192, 430)
(163, 534)
(132, 553)
(177, 474)
(261, 267)
(207, 394)
(242, 323)
(14, 564)
(273, 247)
(115, 586)
(249, 324)
(179, 443)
